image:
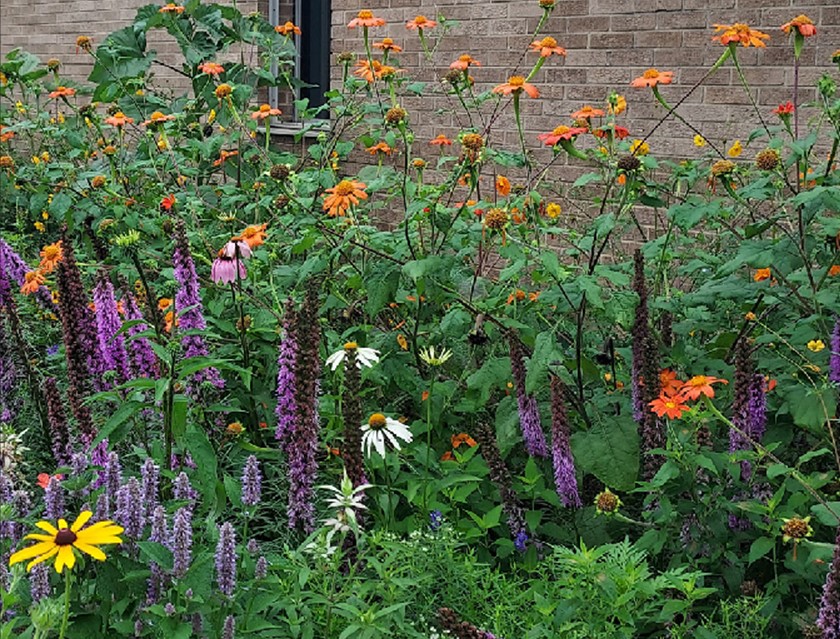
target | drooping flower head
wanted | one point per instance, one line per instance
(379, 429)
(801, 24)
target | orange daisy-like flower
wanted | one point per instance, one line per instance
(224, 155)
(700, 385)
(463, 438)
(784, 109)
(342, 196)
(620, 132)
(287, 29)
(32, 281)
(365, 18)
(440, 140)
(223, 91)
(171, 7)
(8, 135)
(420, 22)
(834, 271)
(387, 44)
(62, 92)
(368, 70)
(562, 132)
(464, 62)
(669, 383)
(761, 275)
(516, 84)
(158, 118)
(587, 112)
(381, 147)
(51, 255)
(546, 47)
(502, 186)
(801, 23)
(119, 119)
(740, 33)
(211, 68)
(253, 235)
(84, 43)
(652, 77)
(672, 407)
(265, 111)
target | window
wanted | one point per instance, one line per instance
(313, 63)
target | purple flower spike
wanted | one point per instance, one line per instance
(834, 357)
(251, 482)
(828, 618)
(229, 629)
(159, 532)
(561, 453)
(181, 542)
(226, 560)
(150, 474)
(286, 377)
(54, 500)
(183, 489)
(529, 413)
(39, 582)
(143, 358)
(129, 512)
(108, 324)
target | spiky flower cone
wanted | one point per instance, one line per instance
(108, 324)
(59, 432)
(529, 414)
(561, 453)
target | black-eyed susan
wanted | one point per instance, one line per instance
(60, 541)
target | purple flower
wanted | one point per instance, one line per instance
(53, 350)
(181, 543)
(10, 375)
(226, 560)
(529, 412)
(252, 547)
(188, 304)
(286, 377)
(102, 511)
(748, 405)
(561, 453)
(183, 490)
(54, 500)
(112, 479)
(129, 513)
(828, 618)
(13, 267)
(261, 568)
(39, 582)
(225, 271)
(251, 482)
(150, 475)
(435, 520)
(108, 324)
(229, 629)
(57, 419)
(158, 530)
(834, 357)
(520, 542)
(155, 583)
(144, 360)
(79, 464)
(169, 609)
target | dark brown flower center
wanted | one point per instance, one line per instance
(65, 537)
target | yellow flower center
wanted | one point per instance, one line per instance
(650, 73)
(465, 58)
(700, 380)
(51, 252)
(365, 14)
(516, 81)
(350, 346)
(560, 130)
(420, 20)
(387, 41)
(377, 421)
(65, 537)
(344, 188)
(549, 42)
(265, 108)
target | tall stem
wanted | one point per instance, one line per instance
(66, 618)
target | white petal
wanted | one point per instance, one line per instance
(335, 359)
(391, 438)
(399, 429)
(378, 442)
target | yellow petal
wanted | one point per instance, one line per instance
(32, 551)
(100, 536)
(47, 527)
(40, 537)
(93, 551)
(81, 520)
(62, 524)
(42, 558)
(65, 558)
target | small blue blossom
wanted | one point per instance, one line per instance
(435, 520)
(520, 542)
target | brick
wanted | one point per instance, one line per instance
(617, 41)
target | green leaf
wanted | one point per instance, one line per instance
(610, 451)
(825, 516)
(761, 547)
(202, 452)
(109, 431)
(157, 553)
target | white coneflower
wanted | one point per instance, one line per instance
(364, 356)
(378, 428)
(432, 358)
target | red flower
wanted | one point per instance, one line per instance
(619, 131)
(516, 84)
(562, 132)
(784, 109)
(803, 24)
(441, 140)
(167, 203)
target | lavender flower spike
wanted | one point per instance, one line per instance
(529, 413)
(181, 542)
(54, 500)
(251, 482)
(828, 619)
(834, 358)
(108, 324)
(564, 465)
(285, 410)
(229, 629)
(150, 474)
(226, 560)
(130, 508)
(144, 360)
(39, 582)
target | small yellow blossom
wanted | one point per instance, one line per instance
(40, 226)
(699, 141)
(639, 148)
(553, 210)
(735, 150)
(816, 345)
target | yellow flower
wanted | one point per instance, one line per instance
(617, 104)
(20, 107)
(60, 541)
(816, 345)
(402, 341)
(553, 210)
(36, 160)
(735, 150)
(699, 141)
(639, 148)
(211, 116)
(40, 226)
(45, 157)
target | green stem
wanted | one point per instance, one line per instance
(746, 86)
(519, 126)
(66, 618)
(536, 68)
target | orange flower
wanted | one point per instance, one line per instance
(387, 44)
(441, 140)
(652, 77)
(8, 135)
(381, 147)
(740, 32)
(158, 118)
(502, 186)
(801, 23)
(342, 196)
(223, 91)
(211, 68)
(168, 202)
(265, 111)
(619, 131)
(700, 385)
(587, 112)
(62, 92)
(224, 155)
(464, 62)
(518, 295)
(253, 235)
(447, 456)
(164, 303)
(365, 18)
(168, 320)
(546, 47)
(516, 84)
(32, 281)
(761, 274)
(119, 119)
(463, 438)
(784, 109)
(287, 29)
(171, 7)
(834, 270)
(673, 407)
(561, 132)
(44, 479)
(84, 43)
(420, 22)
(402, 341)
(51, 255)
(669, 383)
(368, 70)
